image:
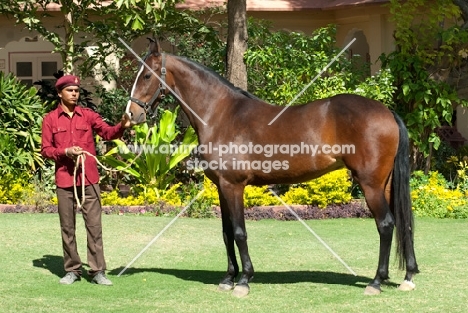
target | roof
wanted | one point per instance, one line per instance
(268, 5)
(282, 5)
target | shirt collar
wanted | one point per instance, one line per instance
(78, 110)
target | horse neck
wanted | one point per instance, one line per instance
(200, 91)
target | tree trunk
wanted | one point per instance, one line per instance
(237, 43)
(69, 42)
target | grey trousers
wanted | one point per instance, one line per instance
(91, 212)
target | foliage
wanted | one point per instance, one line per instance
(331, 188)
(281, 64)
(253, 195)
(21, 114)
(153, 153)
(431, 196)
(15, 189)
(197, 37)
(458, 167)
(446, 160)
(259, 196)
(141, 15)
(210, 193)
(146, 196)
(111, 101)
(378, 87)
(202, 207)
(425, 49)
(176, 196)
(424, 102)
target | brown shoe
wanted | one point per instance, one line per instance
(101, 279)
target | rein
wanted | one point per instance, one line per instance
(160, 92)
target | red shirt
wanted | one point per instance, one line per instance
(60, 131)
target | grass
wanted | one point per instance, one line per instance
(180, 271)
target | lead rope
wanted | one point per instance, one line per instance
(81, 159)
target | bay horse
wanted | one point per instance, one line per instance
(233, 121)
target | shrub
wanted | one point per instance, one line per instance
(146, 197)
(431, 197)
(211, 191)
(202, 207)
(253, 195)
(15, 190)
(259, 196)
(331, 188)
(20, 126)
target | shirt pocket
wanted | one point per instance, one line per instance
(59, 134)
(83, 132)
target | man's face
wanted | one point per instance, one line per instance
(70, 95)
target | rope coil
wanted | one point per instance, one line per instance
(81, 159)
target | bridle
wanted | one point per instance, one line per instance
(160, 93)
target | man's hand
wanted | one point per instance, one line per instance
(73, 152)
(125, 122)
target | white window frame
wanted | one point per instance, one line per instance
(36, 58)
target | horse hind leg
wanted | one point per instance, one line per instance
(385, 222)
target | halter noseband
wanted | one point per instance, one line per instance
(147, 106)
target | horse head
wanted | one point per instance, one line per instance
(150, 85)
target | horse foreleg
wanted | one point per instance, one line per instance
(227, 283)
(233, 195)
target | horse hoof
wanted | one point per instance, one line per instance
(225, 287)
(241, 291)
(407, 286)
(372, 291)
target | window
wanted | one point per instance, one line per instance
(31, 67)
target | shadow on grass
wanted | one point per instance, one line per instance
(289, 277)
(54, 264)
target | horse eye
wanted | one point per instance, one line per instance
(147, 76)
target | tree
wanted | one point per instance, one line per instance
(237, 43)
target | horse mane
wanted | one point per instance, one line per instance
(216, 75)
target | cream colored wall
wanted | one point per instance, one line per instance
(13, 39)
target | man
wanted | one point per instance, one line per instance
(67, 131)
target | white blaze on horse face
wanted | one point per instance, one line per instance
(129, 103)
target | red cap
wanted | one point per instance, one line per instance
(67, 80)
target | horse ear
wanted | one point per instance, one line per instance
(154, 46)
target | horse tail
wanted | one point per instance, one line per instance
(401, 197)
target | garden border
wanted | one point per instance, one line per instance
(354, 209)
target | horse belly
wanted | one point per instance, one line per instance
(294, 170)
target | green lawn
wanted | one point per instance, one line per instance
(180, 272)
